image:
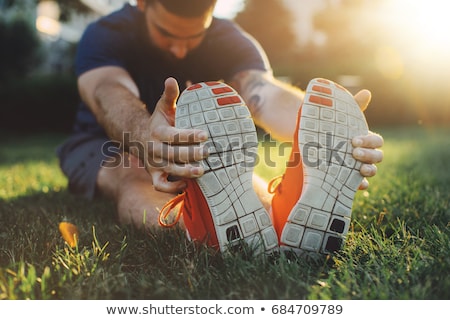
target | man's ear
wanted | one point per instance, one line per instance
(141, 4)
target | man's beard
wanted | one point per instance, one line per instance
(167, 56)
(170, 58)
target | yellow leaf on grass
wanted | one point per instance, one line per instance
(69, 232)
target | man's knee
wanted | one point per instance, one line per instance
(128, 170)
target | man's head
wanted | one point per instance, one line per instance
(186, 8)
(177, 26)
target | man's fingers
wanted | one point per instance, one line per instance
(368, 170)
(368, 155)
(371, 141)
(175, 136)
(166, 105)
(160, 177)
(165, 116)
(161, 183)
(363, 98)
(178, 154)
(186, 154)
(171, 92)
(364, 184)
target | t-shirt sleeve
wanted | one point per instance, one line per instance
(251, 56)
(238, 51)
(101, 45)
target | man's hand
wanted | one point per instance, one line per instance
(171, 151)
(366, 147)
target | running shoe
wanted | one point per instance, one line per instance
(312, 204)
(220, 208)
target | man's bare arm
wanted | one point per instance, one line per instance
(113, 98)
(273, 104)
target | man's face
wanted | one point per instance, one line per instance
(175, 35)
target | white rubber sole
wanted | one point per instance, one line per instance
(330, 118)
(238, 215)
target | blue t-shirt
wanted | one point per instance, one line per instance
(121, 39)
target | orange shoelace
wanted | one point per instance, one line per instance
(274, 183)
(167, 209)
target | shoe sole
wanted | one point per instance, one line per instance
(330, 118)
(238, 215)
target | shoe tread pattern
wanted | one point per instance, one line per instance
(226, 184)
(330, 118)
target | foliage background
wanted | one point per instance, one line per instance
(417, 94)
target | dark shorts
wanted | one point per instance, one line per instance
(80, 159)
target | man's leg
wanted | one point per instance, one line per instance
(261, 188)
(91, 164)
(131, 188)
(138, 203)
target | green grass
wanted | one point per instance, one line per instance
(398, 246)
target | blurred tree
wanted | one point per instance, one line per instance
(67, 6)
(350, 43)
(20, 47)
(362, 42)
(351, 40)
(272, 25)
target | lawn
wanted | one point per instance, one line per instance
(398, 246)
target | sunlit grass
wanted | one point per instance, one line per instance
(272, 157)
(398, 246)
(30, 177)
(28, 165)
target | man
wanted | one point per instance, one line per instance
(124, 63)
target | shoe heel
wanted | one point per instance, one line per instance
(329, 119)
(240, 220)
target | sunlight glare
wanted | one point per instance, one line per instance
(416, 38)
(425, 22)
(47, 18)
(389, 62)
(48, 26)
(228, 8)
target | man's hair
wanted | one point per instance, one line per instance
(185, 8)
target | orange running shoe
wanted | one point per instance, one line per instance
(311, 207)
(221, 208)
